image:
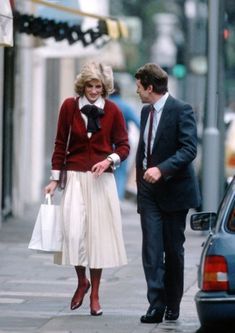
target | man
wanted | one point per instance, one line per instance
(167, 188)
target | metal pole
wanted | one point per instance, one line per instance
(221, 88)
(211, 135)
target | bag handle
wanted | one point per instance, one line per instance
(48, 198)
(69, 133)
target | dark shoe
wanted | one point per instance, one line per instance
(96, 313)
(152, 316)
(78, 296)
(172, 314)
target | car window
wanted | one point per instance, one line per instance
(226, 208)
(231, 219)
(231, 222)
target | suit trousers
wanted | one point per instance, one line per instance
(162, 249)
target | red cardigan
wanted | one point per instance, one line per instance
(84, 152)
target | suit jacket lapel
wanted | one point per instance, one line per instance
(145, 114)
(140, 150)
(166, 113)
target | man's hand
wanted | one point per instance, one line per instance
(152, 175)
(100, 167)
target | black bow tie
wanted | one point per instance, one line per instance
(93, 114)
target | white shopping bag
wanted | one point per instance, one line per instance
(6, 23)
(47, 233)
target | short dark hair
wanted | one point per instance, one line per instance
(152, 74)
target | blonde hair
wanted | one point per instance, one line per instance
(94, 71)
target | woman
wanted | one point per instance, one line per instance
(90, 207)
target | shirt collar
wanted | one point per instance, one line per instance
(158, 106)
(84, 101)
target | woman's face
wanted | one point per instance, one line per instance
(93, 90)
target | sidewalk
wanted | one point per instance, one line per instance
(35, 294)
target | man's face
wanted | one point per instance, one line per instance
(144, 94)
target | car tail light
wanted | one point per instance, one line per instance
(215, 276)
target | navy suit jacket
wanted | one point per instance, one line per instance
(174, 149)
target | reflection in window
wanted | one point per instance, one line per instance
(231, 221)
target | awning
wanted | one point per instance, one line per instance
(116, 28)
(6, 23)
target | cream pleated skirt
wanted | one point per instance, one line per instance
(91, 222)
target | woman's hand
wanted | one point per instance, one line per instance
(51, 187)
(100, 167)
